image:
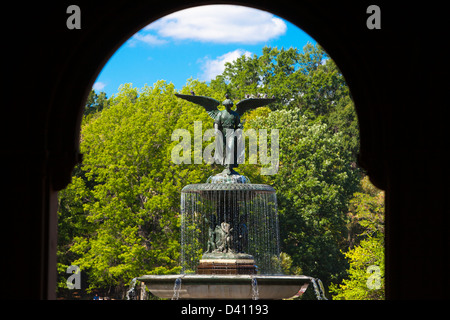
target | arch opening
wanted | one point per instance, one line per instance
(155, 40)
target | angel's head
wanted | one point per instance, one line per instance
(228, 104)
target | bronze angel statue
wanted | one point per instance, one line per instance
(228, 123)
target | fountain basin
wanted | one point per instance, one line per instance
(195, 286)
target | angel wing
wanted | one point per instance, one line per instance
(208, 103)
(252, 103)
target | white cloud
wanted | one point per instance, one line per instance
(98, 86)
(146, 38)
(213, 67)
(218, 24)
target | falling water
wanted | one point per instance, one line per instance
(131, 292)
(322, 289)
(255, 290)
(251, 211)
(318, 289)
(176, 289)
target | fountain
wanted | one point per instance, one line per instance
(229, 229)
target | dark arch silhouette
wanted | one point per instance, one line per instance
(396, 76)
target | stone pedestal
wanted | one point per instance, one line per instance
(226, 266)
(226, 263)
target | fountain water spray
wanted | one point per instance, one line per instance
(255, 291)
(318, 289)
(131, 293)
(176, 289)
(229, 227)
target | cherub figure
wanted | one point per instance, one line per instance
(224, 238)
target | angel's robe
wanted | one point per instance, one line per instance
(230, 150)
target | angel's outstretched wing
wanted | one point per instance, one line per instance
(252, 103)
(208, 103)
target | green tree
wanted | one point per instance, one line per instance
(314, 183)
(366, 213)
(365, 278)
(71, 223)
(343, 119)
(128, 188)
(95, 103)
(308, 79)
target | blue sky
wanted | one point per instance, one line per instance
(195, 43)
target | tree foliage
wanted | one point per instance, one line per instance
(314, 184)
(365, 279)
(95, 103)
(307, 80)
(366, 213)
